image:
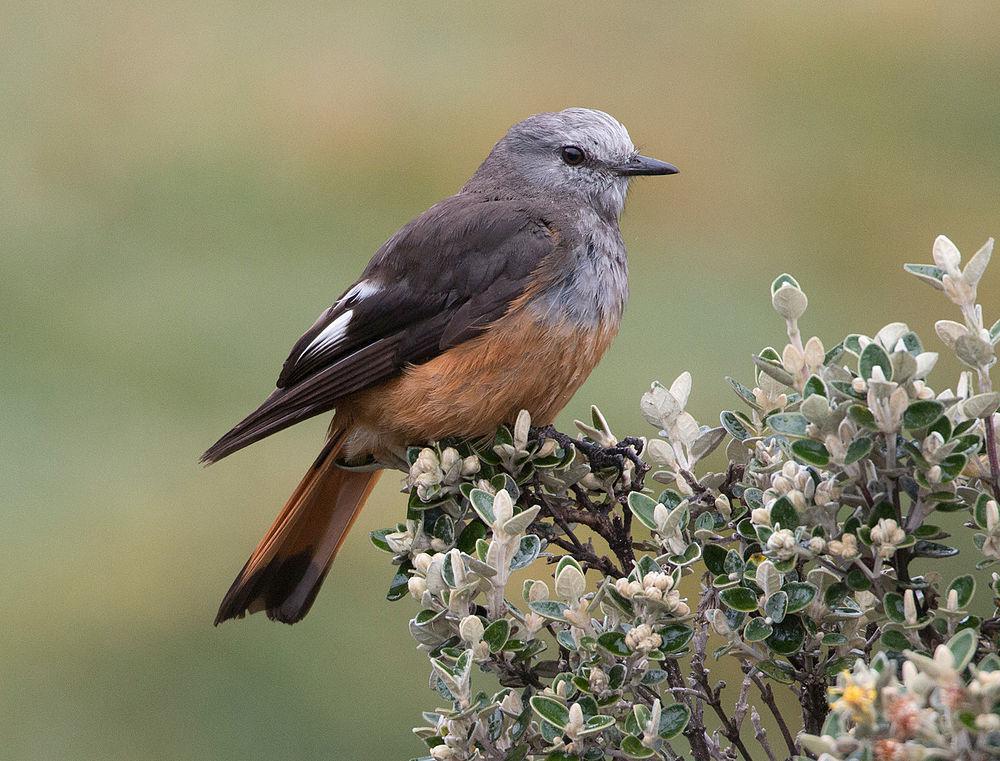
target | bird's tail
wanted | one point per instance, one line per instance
(286, 570)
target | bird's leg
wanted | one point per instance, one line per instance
(600, 457)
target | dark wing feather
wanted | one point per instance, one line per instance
(441, 280)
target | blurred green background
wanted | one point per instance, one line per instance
(184, 186)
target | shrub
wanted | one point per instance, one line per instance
(638, 566)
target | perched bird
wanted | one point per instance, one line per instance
(500, 298)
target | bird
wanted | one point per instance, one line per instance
(500, 298)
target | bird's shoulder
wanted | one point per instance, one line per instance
(472, 229)
(454, 268)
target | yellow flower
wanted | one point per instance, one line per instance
(855, 696)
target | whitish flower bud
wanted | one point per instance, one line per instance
(449, 458)
(575, 723)
(952, 602)
(724, 507)
(598, 680)
(846, 547)
(426, 461)
(548, 448)
(661, 581)
(642, 639)
(471, 629)
(885, 535)
(628, 588)
(660, 515)
(909, 607)
(577, 615)
(470, 465)
(422, 562)
(782, 544)
(817, 545)
(532, 624)
(416, 585)
(859, 385)
(512, 704)
(521, 428)
(761, 516)
(826, 492)
(988, 722)
(789, 301)
(443, 753)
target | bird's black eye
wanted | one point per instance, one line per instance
(572, 155)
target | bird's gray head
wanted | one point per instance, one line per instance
(579, 152)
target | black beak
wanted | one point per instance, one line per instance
(643, 165)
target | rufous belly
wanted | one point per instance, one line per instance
(524, 362)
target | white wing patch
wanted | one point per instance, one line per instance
(330, 335)
(336, 330)
(362, 290)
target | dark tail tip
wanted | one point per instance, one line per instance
(273, 590)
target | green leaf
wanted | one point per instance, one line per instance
(377, 538)
(963, 647)
(633, 748)
(800, 595)
(550, 609)
(857, 580)
(895, 640)
(596, 724)
(789, 423)
(398, 587)
(927, 549)
(858, 449)
(933, 276)
(642, 507)
(965, 588)
(814, 385)
(673, 720)
(482, 503)
(733, 563)
(715, 558)
(787, 637)
(473, 531)
(734, 426)
(756, 630)
(614, 643)
(775, 607)
(862, 416)
(527, 551)
(893, 606)
(784, 279)
(496, 634)
(739, 598)
(675, 637)
(743, 392)
(550, 710)
(873, 356)
(779, 672)
(922, 413)
(783, 512)
(811, 452)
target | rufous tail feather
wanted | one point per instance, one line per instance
(286, 570)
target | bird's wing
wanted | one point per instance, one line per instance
(441, 280)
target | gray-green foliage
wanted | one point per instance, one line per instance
(796, 557)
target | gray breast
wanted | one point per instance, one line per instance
(593, 287)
